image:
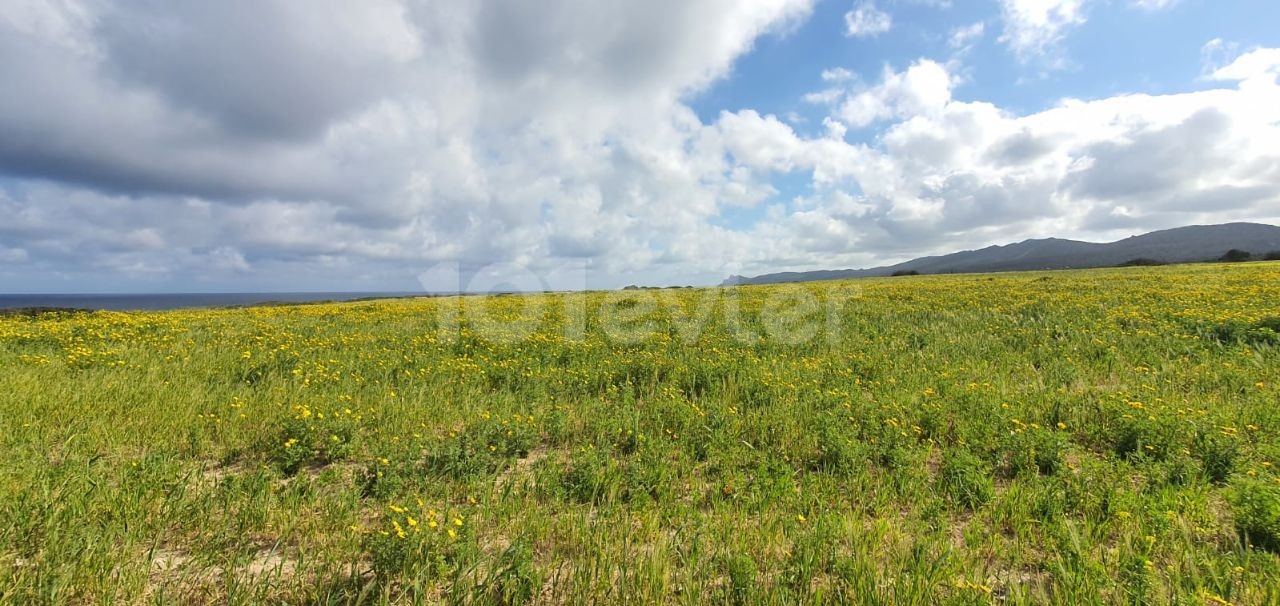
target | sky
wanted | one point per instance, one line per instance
(290, 145)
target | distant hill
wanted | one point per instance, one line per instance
(1179, 245)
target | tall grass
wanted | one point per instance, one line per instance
(1106, 436)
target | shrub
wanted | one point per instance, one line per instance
(1264, 331)
(1236, 255)
(312, 437)
(742, 571)
(1256, 507)
(1217, 455)
(599, 477)
(1182, 470)
(647, 478)
(418, 543)
(1272, 256)
(592, 477)
(965, 479)
(1135, 575)
(1141, 262)
(1271, 323)
(893, 456)
(1142, 438)
(905, 272)
(386, 477)
(1032, 451)
(772, 478)
(810, 556)
(483, 447)
(513, 580)
(839, 451)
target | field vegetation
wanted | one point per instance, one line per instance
(1080, 437)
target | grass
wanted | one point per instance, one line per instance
(1103, 436)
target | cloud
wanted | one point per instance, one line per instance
(965, 36)
(866, 20)
(252, 146)
(13, 255)
(923, 88)
(958, 174)
(348, 136)
(1261, 65)
(231, 62)
(1033, 28)
(837, 74)
(758, 142)
(1215, 54)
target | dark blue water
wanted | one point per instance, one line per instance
(153, 302)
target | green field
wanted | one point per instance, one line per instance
(1073, 437)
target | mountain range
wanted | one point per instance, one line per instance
(1179, 245)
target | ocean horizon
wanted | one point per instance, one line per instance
(167, 301)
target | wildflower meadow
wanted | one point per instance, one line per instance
(1076, 437)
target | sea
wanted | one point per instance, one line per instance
(163, 301)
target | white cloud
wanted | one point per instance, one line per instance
(964, 37)
(392, 132)
(1033, 28)
(923, 88)
(867, 20)
(1262, 65)
(1216, 53)
(837, 74)
(538, 134)
(960, 174)
(758, 142)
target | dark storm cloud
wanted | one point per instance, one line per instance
(257, 68)
(216, 100)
